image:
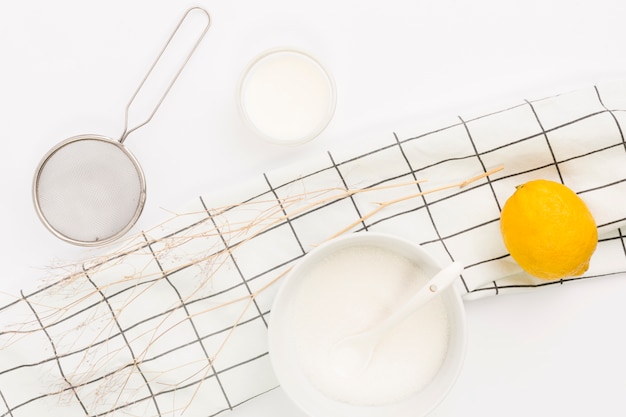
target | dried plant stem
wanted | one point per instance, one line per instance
(380, 207)
(266, 214)
(480, 176)
(383, 205)
(316, 203)
(280, 215)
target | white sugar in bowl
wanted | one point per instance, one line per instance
(345, 286)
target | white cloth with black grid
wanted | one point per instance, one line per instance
(176, 318)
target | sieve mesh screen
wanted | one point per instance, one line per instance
(90, 190)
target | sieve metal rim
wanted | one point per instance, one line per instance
(50, 154)
(119, 143)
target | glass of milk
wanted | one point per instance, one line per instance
(286, 96)
(343, 287)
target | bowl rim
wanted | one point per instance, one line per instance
(322, 406)
(313, 133)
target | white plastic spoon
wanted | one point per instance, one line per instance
(351, 355)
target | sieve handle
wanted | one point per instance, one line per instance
(128, 131)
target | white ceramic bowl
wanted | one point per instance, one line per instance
(284, 327)
(286, 96)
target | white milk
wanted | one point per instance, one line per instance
(287, 97)
(349, 292)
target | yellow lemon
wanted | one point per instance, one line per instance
(548, 230)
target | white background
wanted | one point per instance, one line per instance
(68, 67)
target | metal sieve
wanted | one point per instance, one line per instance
(89, 189)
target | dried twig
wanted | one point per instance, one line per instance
(210, 260)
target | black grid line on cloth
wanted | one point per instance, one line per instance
(36, 398)
(115, 335)
(58, 361)
(4, 401)
(442, 238)
(425, 204)
(541, 134)
(622, 142)
(245, 401)
(425, 134)
(489, 182)
(439, 200)
(191, 383)
(336, 166)
(545, 135)
(208, 336)
(460, 232)
(180, 387)
(10, 410)
(436, 200)
(282, 208)
(612, 113)
(602, 186)
(138, 248)
(58, 357)
(29, 365)
(229, 248)
(138, 323)
(555, 162)
(412, 171)
(136, 361)
(244, 280)
(622, 238)
(183, 305)
(227, 328)
(288, 219)
(482, 163)
(110, 259)
(91, 345)
(544, 132)
(548, 283)
(486, 261)
(232, 245)
(345, 185)
(425, 167)
(597, 150)
(31, 400)
(205, 337)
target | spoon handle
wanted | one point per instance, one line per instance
(442, 280)
(352, 354)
